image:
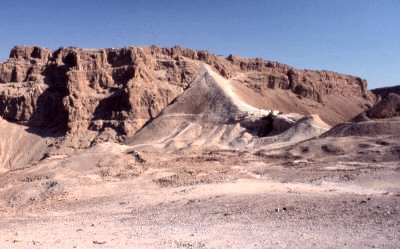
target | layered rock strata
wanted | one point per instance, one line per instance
(112, 93)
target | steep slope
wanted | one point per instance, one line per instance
(384, 91)
(210, 114)
(18, 147)
(382, 119)
(96, 95)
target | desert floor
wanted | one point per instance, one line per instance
(219, 199)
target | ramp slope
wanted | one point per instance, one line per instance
(18, 147)
(210, 114)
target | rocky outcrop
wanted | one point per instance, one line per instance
(385, 91)
(305, 83)
(382, 119)
(388, 107)
(112, 93)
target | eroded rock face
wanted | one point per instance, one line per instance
(310, 84)
(385, 91)
(381, 119)
(112, 93)
(388, 107)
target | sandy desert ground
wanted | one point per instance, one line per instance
(177, 148)
(215, 199)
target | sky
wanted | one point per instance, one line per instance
(358, 37)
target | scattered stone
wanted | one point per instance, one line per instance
(99, 242)
(332, 149)
(305, 149)
(382, 142)
(137, 156)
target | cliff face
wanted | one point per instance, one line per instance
(117, 91)
(76, 90)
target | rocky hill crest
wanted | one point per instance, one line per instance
(110, 94)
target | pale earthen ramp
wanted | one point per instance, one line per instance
(210, 114)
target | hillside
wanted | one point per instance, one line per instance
(109, 94)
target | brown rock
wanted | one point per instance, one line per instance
(94, 90)
(381, 119)
(388, 107)
(385, 91)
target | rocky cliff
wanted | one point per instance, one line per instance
(112, 93)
